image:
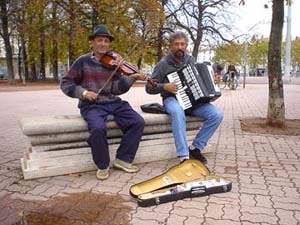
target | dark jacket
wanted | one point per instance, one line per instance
(165, 66)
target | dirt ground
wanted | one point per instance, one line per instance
(258, 125)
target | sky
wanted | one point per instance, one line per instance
(254, 19)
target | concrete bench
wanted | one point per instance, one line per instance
(58, 143)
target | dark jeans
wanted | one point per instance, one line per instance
(129, 121)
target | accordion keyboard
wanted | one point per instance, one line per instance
(195, 85)
(181, 95)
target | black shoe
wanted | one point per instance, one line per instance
(182, 161)
(196, 154)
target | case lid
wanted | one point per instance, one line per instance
(187, 171)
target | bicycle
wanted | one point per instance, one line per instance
(229, 80)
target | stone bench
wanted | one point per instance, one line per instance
(58, 143)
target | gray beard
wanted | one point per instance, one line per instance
(179, 54)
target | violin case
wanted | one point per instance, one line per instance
(186, 180)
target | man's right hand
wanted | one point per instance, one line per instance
(171, 87)
(91, 96)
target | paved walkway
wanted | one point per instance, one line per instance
(264, 169)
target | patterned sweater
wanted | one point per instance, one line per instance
(86, 73)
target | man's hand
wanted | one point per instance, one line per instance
(139, 76)
(91, 96)
(171, 87)
(118, 59)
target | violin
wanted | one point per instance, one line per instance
(109, 61)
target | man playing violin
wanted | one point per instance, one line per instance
(87, 81)
(176, 59)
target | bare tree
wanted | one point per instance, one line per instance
(200, 18)
(165, 26)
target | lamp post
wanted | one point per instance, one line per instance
(287, 68)
(245, 62)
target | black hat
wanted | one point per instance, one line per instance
(101, 30)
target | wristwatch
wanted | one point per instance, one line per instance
(84, 93)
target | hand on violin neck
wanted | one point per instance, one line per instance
(139, 76)
(119, 60)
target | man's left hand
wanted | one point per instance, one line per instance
(139, 76)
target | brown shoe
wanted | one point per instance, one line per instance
(102, 174)
(127, 167)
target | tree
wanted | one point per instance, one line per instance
(200, 19)
(276, 108)
(296, 53)
(229, 53)
(55, 28)
(74, 26)
(20, 18)
(146, 17)
(5, 34)
(166, 24)
(33, 27)
(258, 52)
(42, 38)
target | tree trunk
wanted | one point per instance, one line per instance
(42, 74)
(55, 60)
(196, 48)
(139, 62)
(5, 35)
(159, 41)
(276, 109)
(71, 55)
(54, 57)
(24, 58)
(33, 71)
(20, 63)
(160, 34)
(94, 18)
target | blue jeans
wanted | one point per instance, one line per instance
(211, 115)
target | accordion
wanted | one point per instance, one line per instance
(195, 85)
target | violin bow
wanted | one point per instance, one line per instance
(115, 70)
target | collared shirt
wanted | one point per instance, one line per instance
(87, 73)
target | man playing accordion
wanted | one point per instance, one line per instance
(212, 116)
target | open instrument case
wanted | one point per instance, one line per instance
(186, 180)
